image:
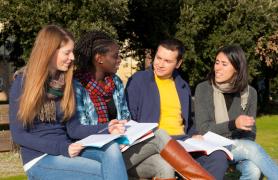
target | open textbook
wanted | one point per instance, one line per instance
(143, 138)
(211, 142)
(135, 133)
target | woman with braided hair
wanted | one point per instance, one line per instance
(43, 119)
(101, 103)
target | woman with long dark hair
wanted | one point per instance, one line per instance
(227, 105)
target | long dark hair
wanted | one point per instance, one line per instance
(236, 56)
(90, 44)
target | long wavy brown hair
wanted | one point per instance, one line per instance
(48, 41)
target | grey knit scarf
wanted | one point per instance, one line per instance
(220, 108)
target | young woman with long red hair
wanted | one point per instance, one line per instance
(43, 120)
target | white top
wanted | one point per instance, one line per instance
(31, 163)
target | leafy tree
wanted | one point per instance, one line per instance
(149, 22)
(23, 19)
(205, 26)
(267, 50)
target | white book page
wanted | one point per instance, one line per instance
(195, 145)
(216, 139)
(200, 144)
(98, 140)
(135, 130)
(189, 148)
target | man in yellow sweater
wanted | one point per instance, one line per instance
(160, 95)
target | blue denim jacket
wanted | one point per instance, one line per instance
(85, 107)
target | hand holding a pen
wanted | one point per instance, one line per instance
(117, 126)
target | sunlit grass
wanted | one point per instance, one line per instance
(267, 134)
(21, 177)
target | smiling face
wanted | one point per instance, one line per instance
(223, 69)
(165, 62)
(62, 58)
(110, 61)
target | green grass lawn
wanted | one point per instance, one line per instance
(267, 134)
(20, 177)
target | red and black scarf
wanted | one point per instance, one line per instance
(100, 93)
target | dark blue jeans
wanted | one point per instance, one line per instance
(216, 163)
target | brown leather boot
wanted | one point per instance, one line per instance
(183, 163)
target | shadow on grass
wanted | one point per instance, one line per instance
(232, 176)
(271, 108)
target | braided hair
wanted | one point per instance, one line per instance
(90, 44)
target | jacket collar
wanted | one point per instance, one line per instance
(177, 78)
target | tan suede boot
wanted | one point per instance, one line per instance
(183, 163)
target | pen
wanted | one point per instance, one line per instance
(104, 129)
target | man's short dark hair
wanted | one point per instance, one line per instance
(173, 45)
